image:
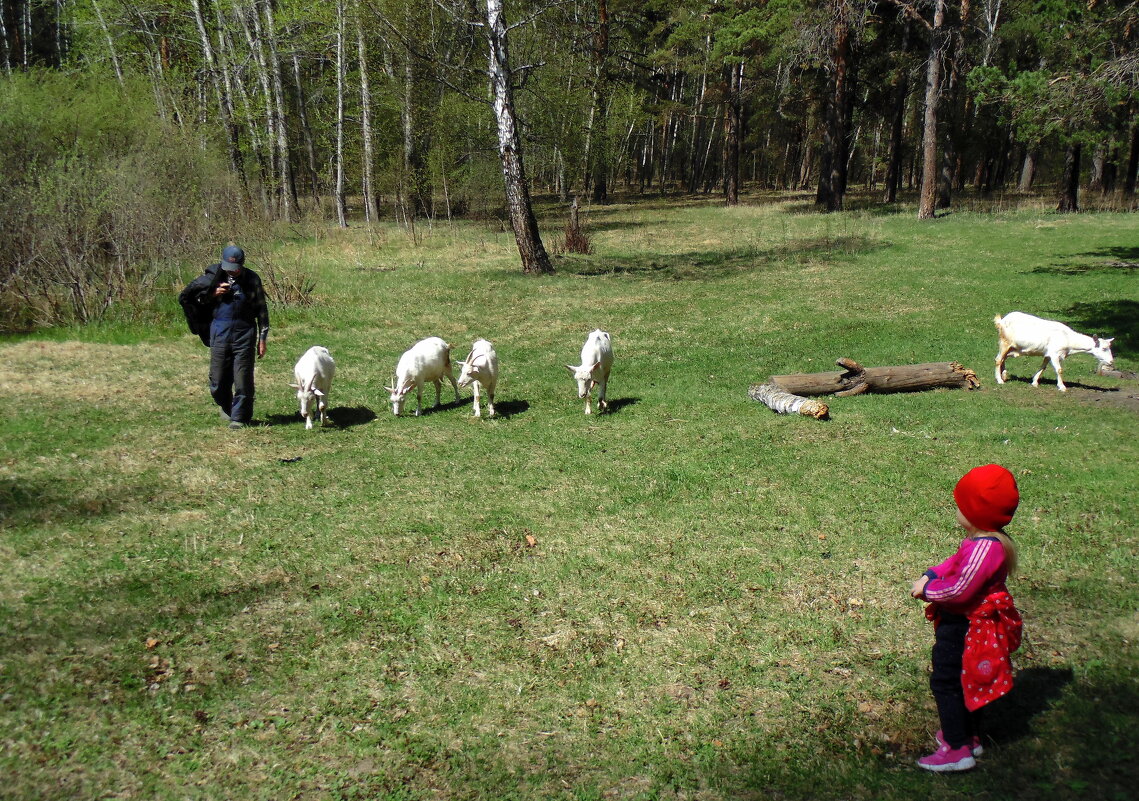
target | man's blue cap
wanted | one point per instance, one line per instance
(232, 258)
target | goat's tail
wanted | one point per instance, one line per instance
(997, 321)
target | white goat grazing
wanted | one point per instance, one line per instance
(596, 362)
(480, 369)
(428, 360)
(1022, 333)
(314, 372)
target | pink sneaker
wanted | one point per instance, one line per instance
(946, 760)
(978, 749)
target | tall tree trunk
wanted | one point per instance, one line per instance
(226, 49)
(106, 33)
(929, 128)
(1070, 182)
(599, 115)
(733, 134)
(269, 151)
(368, 183)
(1099, 162)
(341, 69)
(897, 126)
(836, 126)
(1132, 163)
(284, 165)
(6, 43)
(306, 131)
(522, 220)
(222, 96)
(1028, 169)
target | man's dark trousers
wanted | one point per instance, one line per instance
(233, 351)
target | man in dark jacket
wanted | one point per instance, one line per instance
(234, 300)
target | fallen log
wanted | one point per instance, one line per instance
(1126, 375)
(784, 402)
(855, 379)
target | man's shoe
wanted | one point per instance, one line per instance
(977, 748)
(234, 424)
(949, 760)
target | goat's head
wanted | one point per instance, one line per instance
(585, 377)
(1101, 349)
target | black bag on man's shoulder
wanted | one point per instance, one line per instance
(197, 302)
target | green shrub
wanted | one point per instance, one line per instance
(100, 194)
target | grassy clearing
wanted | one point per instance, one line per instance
(716, 603)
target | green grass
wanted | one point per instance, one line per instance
(716, 602)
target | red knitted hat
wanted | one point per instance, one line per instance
(987, 496)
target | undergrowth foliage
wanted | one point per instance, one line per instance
(99, 196)
(575, 239)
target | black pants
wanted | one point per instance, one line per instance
(232, 355)
(958, 724)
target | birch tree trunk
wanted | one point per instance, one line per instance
(929, 128)
(306, 131)
(284, 165)
(106, 34)
(341, 206)
(522, 220)
(221, 95)
(368, 183)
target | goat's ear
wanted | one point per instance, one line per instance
(594, 366)
(389, 390)
(462, 365)
(1107, 342)
(317, 392)
(295, 386)
(573, 370)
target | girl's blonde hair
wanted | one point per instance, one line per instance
(1010, 550)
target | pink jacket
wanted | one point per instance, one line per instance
(961, 582)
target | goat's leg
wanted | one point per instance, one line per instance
(1002, 356)
(602, 403)
(475, 395)
(1040, 372)
(1058, 366)
(418, 399)
(454, 384)
(489, 403)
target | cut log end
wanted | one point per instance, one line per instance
(782, 402)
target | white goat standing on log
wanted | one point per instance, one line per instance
(428, 360)
(1022, 333)
(596, 362)
(314, 372)
(480, 370)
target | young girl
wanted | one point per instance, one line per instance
(976, 625)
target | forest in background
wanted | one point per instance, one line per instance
(421, 108)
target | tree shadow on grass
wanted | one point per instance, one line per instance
(1123, 259)
(704, 265)
(40, 499)
(1109, 318)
